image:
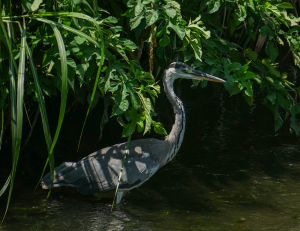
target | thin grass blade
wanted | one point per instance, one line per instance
(120, 174)
(64, 94)
(18, 123)
(13, 101)
(4, 34)
(42, 106)
(88, 18)
(2, 129)
(87, 37)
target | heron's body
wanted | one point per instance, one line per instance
(99, 171)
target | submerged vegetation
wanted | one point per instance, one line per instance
(116, 51)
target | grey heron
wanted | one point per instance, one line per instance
(99, 171)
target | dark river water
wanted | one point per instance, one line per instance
(233, 172)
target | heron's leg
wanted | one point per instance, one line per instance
(119, 196)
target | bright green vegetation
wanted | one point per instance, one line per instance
(93, 50)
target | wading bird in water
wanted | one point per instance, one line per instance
(99, 171)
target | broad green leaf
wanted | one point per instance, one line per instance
(129, 44)
(250, 54)
(202, 31)
(147, 111)
(79, 39)
(134, 99)
(159, 128)
(272, 97)
(248, 99)
(110, 19)
(278, 122)
(81, 70)
(175, 5)
(213, 6)
(248, 91)
(232, 67)
(151, 17)
(270, 67)
(272, 51)
(134, 22)
(145, 2)
(171, 12)
(232, 87)
(197, 49)
(140, 123)
(130, 128)
(121, 103)
(179, 30)
(164, 41)
(285, 5)
(35, 5)
(138, 8)
(240, 14)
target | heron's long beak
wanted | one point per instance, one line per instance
(198, 75)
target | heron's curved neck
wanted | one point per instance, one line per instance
(176, 135)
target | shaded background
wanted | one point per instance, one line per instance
(233, 172)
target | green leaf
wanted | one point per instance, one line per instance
(248, 99)
(164, 41)
(174, 5)
(130, 128)
(232, 87)
(147, 111)
(171, 12)
(140, 123)
(278, 122)
(134, 99)
(213, 6)
(35, 5)
(270, 67)
(272, 97)
(272, 51)
(250, 54)
(81, 70)
(79, 39)
(134, 22)
(232, 67)
(121, 103)
(179, 30)
(138, 8)
(110, 19)
(129, 44)
(196, 47)
(240, 14)
(202, 31)
(151, 17)
(159, 128)
(285, 5)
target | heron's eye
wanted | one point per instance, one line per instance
(184, 70)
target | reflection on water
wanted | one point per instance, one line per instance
(232, 173)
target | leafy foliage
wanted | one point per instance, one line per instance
(94, 50)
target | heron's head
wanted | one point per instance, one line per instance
(181, 70)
